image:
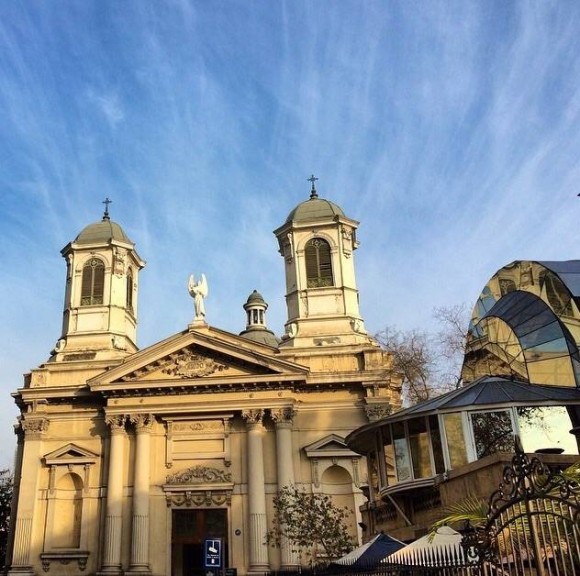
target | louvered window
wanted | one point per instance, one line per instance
(130, 289)
(318, 263)
(93, 282)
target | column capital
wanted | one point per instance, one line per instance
(253, 417)
(116, 423)
(35, 427)
(283, 417)
(142, 422)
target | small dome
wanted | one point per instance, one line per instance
(255, 298)
(313, 209)
(261, 335)
(102, 232)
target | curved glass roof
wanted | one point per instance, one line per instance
(526, 322)
(568, 271)
(486, 392)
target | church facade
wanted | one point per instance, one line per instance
(130, 461)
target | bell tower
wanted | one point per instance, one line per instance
(100, 305)
(317, 242)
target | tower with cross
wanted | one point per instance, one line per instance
(100, 310)
(318, 241)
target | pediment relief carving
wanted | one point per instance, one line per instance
(194, 363)
(191, 365)
(200, 475)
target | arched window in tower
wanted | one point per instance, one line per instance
(130, 289)
(318, 263)
(93, 283)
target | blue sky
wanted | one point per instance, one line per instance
(450, 130)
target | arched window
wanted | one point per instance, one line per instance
(93, 282)
(130, 289)
(318, 263)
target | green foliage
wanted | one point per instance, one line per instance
(6, 485)
(311, 524)
(474, 510)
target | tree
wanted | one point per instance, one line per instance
(311, 524)
(6, 485)
(429, 362)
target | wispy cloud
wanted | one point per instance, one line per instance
(450, 130)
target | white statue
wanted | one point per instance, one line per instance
(198, 292)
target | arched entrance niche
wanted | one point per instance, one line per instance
(335, 471)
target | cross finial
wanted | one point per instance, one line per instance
(106, 202)
(313, 192)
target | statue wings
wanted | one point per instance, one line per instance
(200, 289)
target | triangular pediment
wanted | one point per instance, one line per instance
(70, 454)
(191, 357)
(330, 446)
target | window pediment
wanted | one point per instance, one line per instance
(70, 454)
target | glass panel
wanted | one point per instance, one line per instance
(389, 455)
(373, 472)
(547, 333)
(455, 439)
(546, 429)
(436, 445)
(402, 456)
(419, 443)
(492, 432)
(558, 370)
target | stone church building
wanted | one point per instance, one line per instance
(129, 461)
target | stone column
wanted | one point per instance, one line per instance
(140, 533)
(285, 468)
(111, 563)
(26, 487)
(256, 492)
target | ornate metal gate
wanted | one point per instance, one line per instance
(533, 523)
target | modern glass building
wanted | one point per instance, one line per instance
(521, 377)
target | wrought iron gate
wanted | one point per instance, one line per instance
(533, 523)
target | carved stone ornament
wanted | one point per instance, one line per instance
(119, 262)
(377, 411)
(142, 422)
(200, 475)
(65, 557)
(35, 426)
(199, 498)
(204, 426)
(190, 365)
(283, 415)
(253, 416)
(116, 423)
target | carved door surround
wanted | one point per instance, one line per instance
(199, 486)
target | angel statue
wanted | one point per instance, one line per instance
(198, 292)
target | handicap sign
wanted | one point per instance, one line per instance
(213, 553)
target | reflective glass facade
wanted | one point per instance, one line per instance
(526, 324)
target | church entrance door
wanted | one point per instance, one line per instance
(189, 530)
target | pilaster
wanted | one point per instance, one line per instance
(283, 419)
(111, 562)
(256, 492)
(141, 485)
(26, 485)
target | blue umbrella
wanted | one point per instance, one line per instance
(370, 554)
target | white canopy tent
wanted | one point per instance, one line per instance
(443, 548)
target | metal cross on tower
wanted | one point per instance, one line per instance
(106, 202)
(313, 192)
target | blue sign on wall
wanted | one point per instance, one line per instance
(213, 553)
